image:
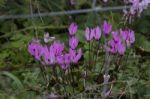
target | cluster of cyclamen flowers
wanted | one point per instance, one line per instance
(118, 43)
(55, 53)
(137, 6)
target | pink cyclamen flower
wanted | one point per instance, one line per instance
(67, 59)
(97, 33)
(34, 48)
(73, 28)
(60, 59)
(137, 7)
(73, 42)
(128, 36)
(64, 61)
(123, 34)
(38, 53)
(107, 27)
(48, 55)
(57, 48)
(116, 46)
(121, 48)
(75, 56)
(89, 34)
(116, 36)
(45, 53)
(111, 47)
(131, 36)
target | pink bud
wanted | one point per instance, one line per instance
(73, 28)
(97, 33)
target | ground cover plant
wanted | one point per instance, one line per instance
(100, 55)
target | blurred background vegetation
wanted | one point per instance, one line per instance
(19, 75)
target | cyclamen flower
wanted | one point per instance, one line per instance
(75, 56)
(38, 53)
(61, 62)
(89, 34)
(60, 59)
(116, 47)
(123, 34)
(128, 36)
(57, 48)
(64, 61)
(111, 47)
(137, 7)
(131, 36)
(121, 48)
(115, 36)
(73, 42)
(34, 48)
(119, 39)
(107, 27)
(134, 7)
(67, 59)
(73, 28)
(48, 55)
(97, 33)
(71, 57)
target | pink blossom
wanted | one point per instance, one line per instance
(121, 48)
(57, 48)
(115, 36)
(116, 47)
(34, 48)
(64, 61)
(73, 42)
(89, 34)
(128, 36)
(73, 28)
(75, 56)
(107, 27)
(48, 55)
(137, 7)
(97, 33)
(111, 47)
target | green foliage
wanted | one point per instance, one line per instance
(142, 43)
(14, 78)
(21, 77)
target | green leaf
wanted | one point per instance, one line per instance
(80, 35)
(142, 43)
(13, 77)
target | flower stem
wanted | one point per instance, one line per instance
(106, 70)
(89, 54)
(63, 80)
(72, 80)
(97, 53)
(44, 75)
